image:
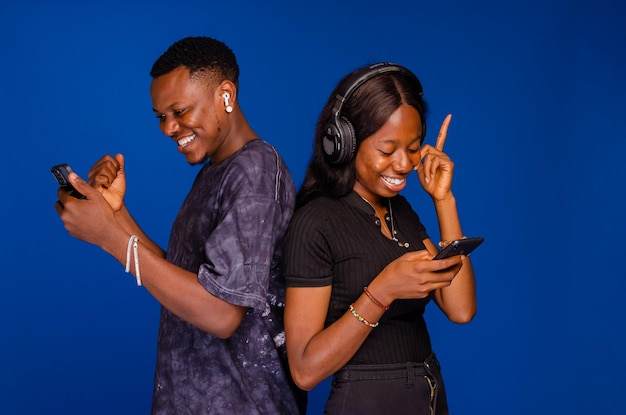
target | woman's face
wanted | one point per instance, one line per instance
(385, 159)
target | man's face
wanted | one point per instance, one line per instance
(186, 109)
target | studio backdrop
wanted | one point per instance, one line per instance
(536, 90)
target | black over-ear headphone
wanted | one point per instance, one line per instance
(339, 141)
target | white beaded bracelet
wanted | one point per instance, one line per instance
(133, 243)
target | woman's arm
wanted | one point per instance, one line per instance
(458, 300)
(316, 352)
(435, 170)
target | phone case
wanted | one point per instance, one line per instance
(460, 247)
(60, 173)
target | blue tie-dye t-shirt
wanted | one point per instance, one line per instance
(228, 231)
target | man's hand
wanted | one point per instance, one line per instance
(108, 177)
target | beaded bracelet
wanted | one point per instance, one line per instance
(132, 244)
(361, 319)
(374, 300)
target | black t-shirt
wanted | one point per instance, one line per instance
(338, 242)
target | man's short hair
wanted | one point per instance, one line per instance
(205, 58)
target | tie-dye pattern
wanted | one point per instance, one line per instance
(229, 231)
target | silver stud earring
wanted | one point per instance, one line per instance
(226, 97)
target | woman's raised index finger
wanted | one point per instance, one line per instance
(443, 133)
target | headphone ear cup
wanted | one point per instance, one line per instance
(339, 142)
(331, 142)
(348, 136)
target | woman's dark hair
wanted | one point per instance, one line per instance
(367, 109)
(204, 56)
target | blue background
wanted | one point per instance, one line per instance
(536, 89)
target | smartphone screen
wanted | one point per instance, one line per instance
(460, 247)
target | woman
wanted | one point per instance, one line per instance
(358, 262)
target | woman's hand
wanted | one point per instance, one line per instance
(435, 168)
(415, 275)
(108, 177)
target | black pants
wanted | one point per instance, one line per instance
(389, 389)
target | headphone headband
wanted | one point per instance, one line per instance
(339, 141)
(360, 76)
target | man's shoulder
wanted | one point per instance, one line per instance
(257, 156)
(258, 170)
(259, 149)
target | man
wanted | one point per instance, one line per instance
(221, 340)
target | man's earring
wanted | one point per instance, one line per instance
(229, 107)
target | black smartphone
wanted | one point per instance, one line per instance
(460, 247)
(60, 173)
